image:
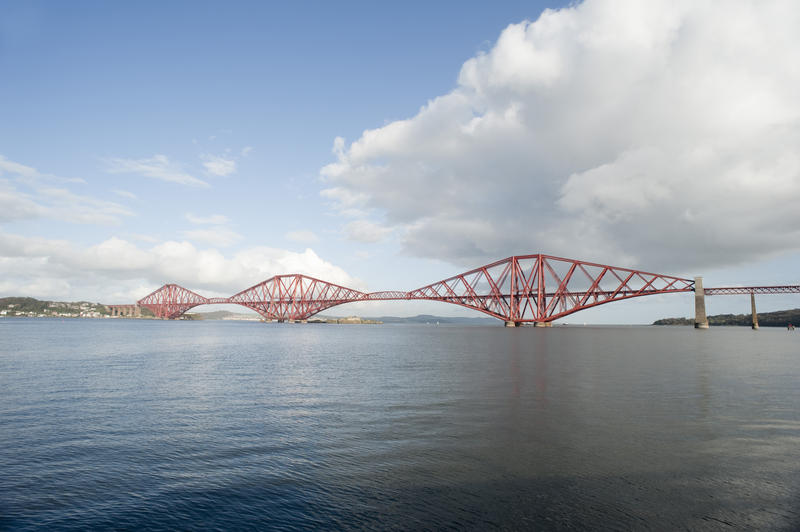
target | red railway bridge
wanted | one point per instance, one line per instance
(534, 289)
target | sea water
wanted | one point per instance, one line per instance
(130, 424)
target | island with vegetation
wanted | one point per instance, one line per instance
(780, 318)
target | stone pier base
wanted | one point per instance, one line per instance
(753, 309)
(125, 311)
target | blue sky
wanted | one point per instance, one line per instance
(196, 142)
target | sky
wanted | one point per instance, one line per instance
(386, 146)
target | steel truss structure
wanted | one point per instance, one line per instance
(294, 297)
(171, 300)
(519, 289)
(542, 288)
(733, 290)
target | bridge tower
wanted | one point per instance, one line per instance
(753, 309)
(700, 318)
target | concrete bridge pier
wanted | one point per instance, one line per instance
(700, 318)
(512, 324)
(753, 310)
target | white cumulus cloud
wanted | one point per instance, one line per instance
(302, 236)
(30, 194)
(214, 219)
(219, 166)
(215, 233)
(16, 205)
(366, 231)
(65, 205)
(156, 167)
(214, 236)
(7, 166)
(126, 194)
(661, 134)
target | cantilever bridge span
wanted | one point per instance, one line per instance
(520, 289)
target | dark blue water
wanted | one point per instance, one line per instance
(222, 425)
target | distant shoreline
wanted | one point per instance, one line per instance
(29, 307)
(779, 318)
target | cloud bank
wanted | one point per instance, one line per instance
(661, 134)
(119, 271)
(27, 194)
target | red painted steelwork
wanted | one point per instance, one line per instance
(294, 297)
(386, 295)
(171, 300)
(519, 289)
(542, 288)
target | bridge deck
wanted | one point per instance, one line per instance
(746, 290)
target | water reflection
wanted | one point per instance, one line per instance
(230, 425)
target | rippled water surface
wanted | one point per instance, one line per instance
(199, 425)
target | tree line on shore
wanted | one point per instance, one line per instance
(780, 318)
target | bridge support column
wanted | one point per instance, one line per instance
(753, 309)
(542, 324)
(512, 324)
(700, 318)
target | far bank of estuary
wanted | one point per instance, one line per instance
(29, 307)
(780, 318)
